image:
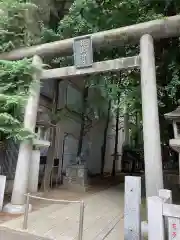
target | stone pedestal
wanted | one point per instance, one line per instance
(38, 144)
(16, 208)
(175, 144)
(174, 117)
(34, 171)
(76, 177)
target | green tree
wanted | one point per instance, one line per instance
(15, 77)
(87, 17)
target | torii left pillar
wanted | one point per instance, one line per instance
(20, 187)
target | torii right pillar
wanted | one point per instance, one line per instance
(151, 130)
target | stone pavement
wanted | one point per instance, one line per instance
(17, 235)
(103, 218)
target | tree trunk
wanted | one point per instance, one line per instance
(50, 155)
(103, 150)
(83, 119)
(136, 137)
(116, 141)
(126, 127)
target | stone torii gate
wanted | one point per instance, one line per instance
(143, 32)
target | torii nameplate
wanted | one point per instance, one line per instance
(83, 52)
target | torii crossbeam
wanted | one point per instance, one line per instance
(163, 28)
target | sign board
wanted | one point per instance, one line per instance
(173, 228)
(83, 52)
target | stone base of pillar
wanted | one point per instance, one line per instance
(144, 229)
(15, 209)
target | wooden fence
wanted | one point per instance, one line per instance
(163, 219)
(163, 216)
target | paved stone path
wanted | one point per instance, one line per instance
(17, 235)
(103, 218)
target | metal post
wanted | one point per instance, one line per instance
(25, 223)
(81, 221)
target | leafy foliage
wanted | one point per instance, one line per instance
(15, 77)
(91, 16)
(88, 16)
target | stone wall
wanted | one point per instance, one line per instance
(70, 96)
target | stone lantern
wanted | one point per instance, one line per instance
(40, 143)
(174, 116)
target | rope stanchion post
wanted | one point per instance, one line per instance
(81, 221)
(81, 216)
(25, 223)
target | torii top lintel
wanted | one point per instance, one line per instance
(161, 28)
